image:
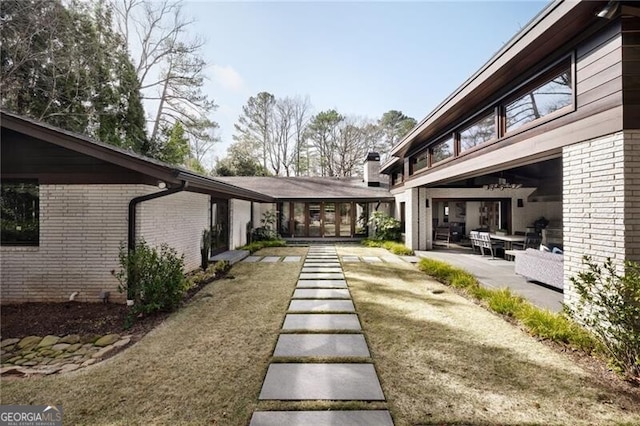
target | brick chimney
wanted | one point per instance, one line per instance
(372, 169)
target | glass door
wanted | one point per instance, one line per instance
(219, 226)
(345, 219)
(329, 219)
(315, 219)
(299, 220)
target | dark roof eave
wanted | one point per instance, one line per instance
(223, 187)
(405, 142)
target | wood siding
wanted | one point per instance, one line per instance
(27, 157)
(599, 80)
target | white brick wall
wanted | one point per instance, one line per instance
(240, 214)
(601, 189)
(81, 229)
(177, 220)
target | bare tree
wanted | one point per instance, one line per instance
(301, 119)
(169, 66)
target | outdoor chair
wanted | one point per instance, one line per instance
(488, 244)
(531, 240)
(475, 241)
(441, 237)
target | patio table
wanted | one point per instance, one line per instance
(508, 239)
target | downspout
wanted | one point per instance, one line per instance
(131, 235)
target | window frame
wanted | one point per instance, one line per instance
(31, 243)
(450, 137)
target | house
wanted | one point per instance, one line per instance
(548, 128)
(70, 202)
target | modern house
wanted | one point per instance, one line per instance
(70, 202)
(548, 127)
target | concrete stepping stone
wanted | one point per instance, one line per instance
(252, 259)
(321, 265)
(321, 305)
(321, 293)
(323, 258)
(320, 322)
(392, 259)
(322, 284)
(322, 418)
(350, 259)
(307, 260)
(292, 259)
(321, 276)
(371, 259)
(270, 259)
(321, 269)
(327, 345)
(295, 382)
(410, 259)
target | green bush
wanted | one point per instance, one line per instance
(153, 279)
(609, 305)
(394, 247)
(212, 272)
(257, 245)
(267, 231)
(385, 227)
(539, 322)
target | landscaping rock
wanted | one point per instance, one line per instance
(71, 339)
(8, 342)
(6, 357)
(20, 361)
(9, 348)
(107, 340)
(30, 356)
(12, 370)
(103, 352)
(60, 347)
(122, 342)
(29, 341)
(89, 338)
(48, 341)
(89, 362)
(30, 363)
(69, 367)
(74, 347)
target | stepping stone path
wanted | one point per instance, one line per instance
(271, 259)
(321, 322)
(52, 354)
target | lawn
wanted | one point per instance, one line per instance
(204, 365)
(444, 360)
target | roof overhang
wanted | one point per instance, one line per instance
(167, 173)
(558, 23)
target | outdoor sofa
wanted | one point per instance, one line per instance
(541, 266)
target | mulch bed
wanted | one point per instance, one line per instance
(61, 319)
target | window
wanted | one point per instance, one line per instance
(478, 133)
(548, 97)
(442, 151)
(420, 162)
(20, 202)
(403, 216)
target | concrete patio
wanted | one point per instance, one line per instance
(498, 273)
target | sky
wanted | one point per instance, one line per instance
(360, 58)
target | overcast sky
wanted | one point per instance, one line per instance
(361, 58)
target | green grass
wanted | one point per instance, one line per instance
(538, 322)
(393, 246)
(257, 245)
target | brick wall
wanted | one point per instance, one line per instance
(177, 220)
(81, 229)
(601, 184)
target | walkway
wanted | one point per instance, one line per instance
(498, 273)
(321, 322)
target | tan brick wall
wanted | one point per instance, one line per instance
(601, 185)
(81, 229)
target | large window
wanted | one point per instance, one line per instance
(20, 202)
(554, 94)
(478, 133)
(443, 150)
(420, 161)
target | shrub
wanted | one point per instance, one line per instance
(538, 322)
(267, 231)
(394, 247)
(257, 245)
(609, 305)
(153, 279)
(385, 227)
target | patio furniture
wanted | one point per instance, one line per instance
(531, 240)
(475, 241)
(441, 236)
(487, 243)
(544, 267)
